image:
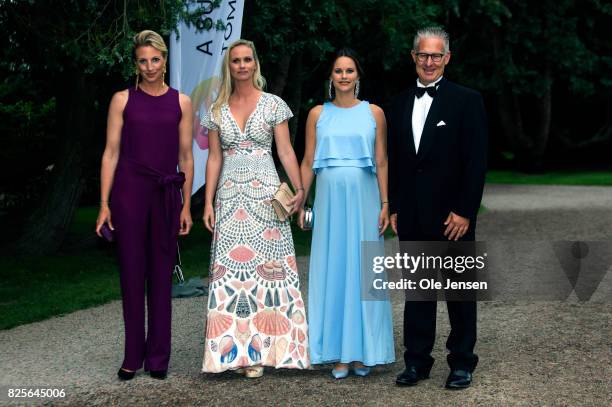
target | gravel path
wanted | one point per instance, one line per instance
(532, 353)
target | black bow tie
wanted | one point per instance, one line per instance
(431, 91)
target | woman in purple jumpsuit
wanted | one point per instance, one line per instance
(148, 136)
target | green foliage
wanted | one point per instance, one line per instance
(93, 36)
(383, 28)
(286, 26)
(529, 45)
(399, 22)
(25, 120)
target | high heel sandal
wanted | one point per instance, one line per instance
(253, 372)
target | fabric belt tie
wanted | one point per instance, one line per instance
(170, 185)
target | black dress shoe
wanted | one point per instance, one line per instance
(158, 374)
(410, 376)
(125, 375)
(459, 379)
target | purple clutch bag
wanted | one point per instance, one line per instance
(107, 233)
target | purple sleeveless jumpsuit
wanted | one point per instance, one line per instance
(145, 208)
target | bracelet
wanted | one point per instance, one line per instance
(103, 202)
(384, 202)
(298, 189)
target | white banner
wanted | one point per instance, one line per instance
(195, 67)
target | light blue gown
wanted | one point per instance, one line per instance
(343, 328)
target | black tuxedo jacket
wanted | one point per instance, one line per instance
(448, 172)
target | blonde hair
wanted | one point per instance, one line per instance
(150, 38)
(227, 83)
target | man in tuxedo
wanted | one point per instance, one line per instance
(437, 164)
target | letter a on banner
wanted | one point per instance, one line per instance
(195, 66)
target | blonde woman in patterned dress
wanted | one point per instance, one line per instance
(256, 313)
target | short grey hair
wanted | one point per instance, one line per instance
(428, 32)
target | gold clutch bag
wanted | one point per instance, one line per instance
(280, 202)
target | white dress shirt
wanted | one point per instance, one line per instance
(419, 113)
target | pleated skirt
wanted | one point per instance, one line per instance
(343, 328)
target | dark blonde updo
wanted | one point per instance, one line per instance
(150, 38)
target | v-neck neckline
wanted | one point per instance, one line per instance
(246, 123)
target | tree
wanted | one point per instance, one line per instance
(295, 39)
(71, 48)
(525, 52)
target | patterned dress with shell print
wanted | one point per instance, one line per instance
(256, 313)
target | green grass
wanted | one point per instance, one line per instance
(551, 178)
(36, 288)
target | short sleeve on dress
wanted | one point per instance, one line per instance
(207, 120)
(279, 111)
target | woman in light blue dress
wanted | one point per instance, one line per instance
(346, 150)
